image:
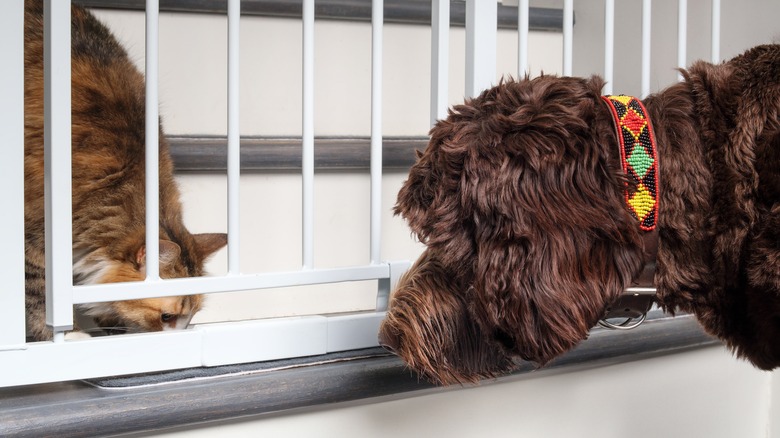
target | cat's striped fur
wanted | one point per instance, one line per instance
(108, 122)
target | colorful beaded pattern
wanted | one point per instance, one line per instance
(639, 157)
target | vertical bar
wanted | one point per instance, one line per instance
(12, 172)
(152, 141)
(307, 171)
(522, 38)
(386, 285)
(481, 34)
(57, 170)
(715, 31)
(377, 21)
(234, 137)
(568, 36)
(609, 45)
(440, 50)
(682, 35)
(646, 20)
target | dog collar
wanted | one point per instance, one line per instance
(639, 159)
(638, 156)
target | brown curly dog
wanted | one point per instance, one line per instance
(520, 198)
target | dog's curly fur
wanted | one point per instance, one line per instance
(519, 199)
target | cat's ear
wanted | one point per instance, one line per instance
(169, 252)
(209, 243)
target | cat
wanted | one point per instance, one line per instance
(108, 124)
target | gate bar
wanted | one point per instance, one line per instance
(233, 137)
(481, 35)
(95, 293)
(377, 21)
(682, 35)
(440, 51)
(12, 171)
(522, 38)
(568, 36)
(307, 164)
(715, 49)
(646, 21)
(152, 141)
(57, 167)
(609, 45)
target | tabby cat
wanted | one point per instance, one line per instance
(108, 124)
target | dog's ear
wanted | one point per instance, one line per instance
(430, 199)
(554, 242)
(539, 300)
(416, 195)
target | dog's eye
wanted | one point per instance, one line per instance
(167, 317)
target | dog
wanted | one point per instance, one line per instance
(520, 198)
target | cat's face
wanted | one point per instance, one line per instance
(152, 314)
(145, 315)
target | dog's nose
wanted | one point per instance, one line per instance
(388, 340)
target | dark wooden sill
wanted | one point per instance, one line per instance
(416, 12)
(275, 154)
(74, 409)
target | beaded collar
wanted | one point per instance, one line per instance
(638, 155)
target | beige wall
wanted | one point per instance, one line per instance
(745, 23)
(193, 81)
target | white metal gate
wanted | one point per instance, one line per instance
(216, 344)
